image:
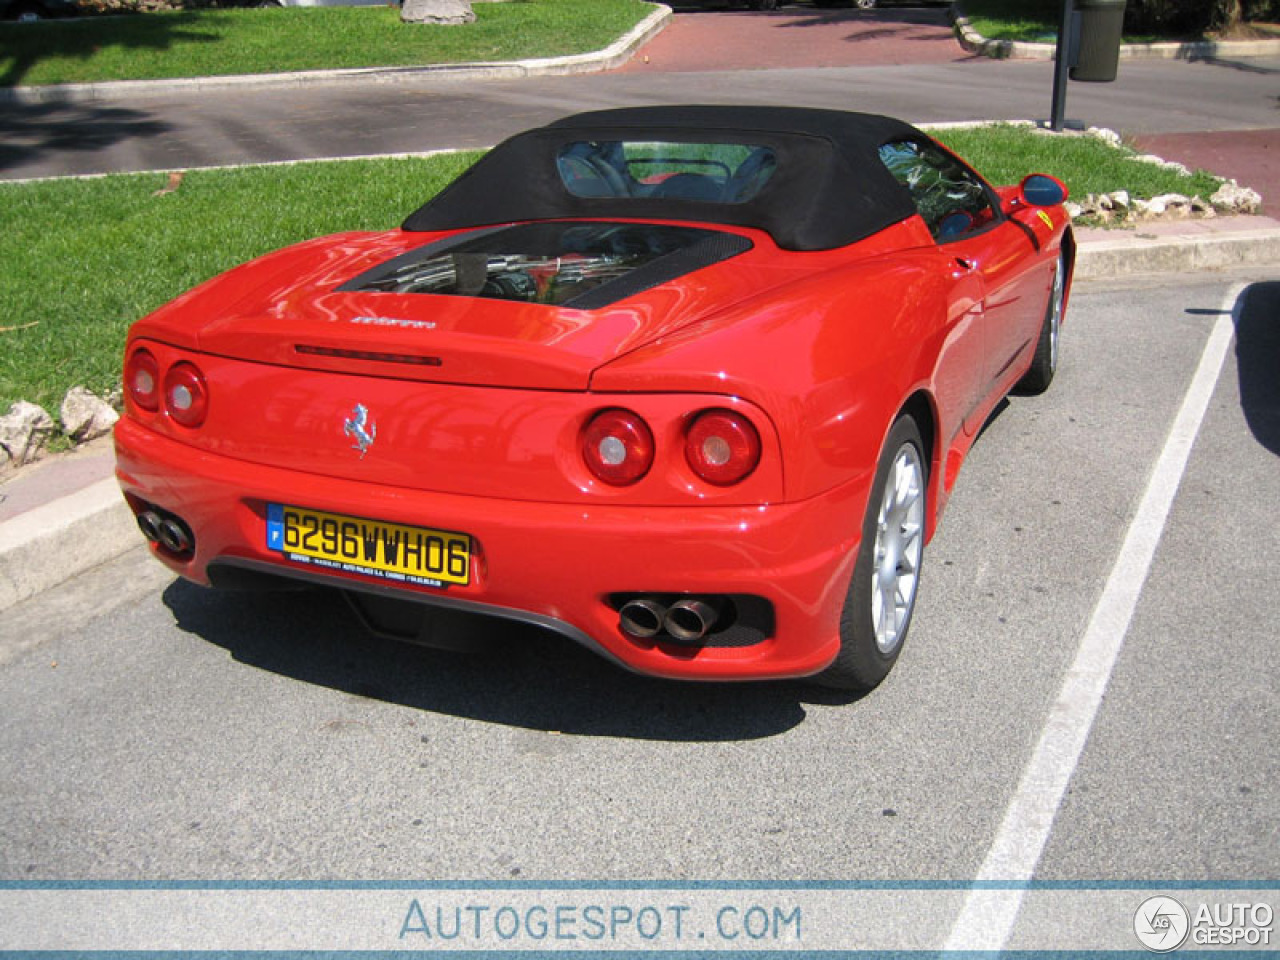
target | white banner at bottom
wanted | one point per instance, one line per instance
(640, 918)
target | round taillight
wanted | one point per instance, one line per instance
(722, 447)
(186, 398)
(618, 447)
(142, 379)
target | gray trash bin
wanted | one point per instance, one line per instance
(1100, 25)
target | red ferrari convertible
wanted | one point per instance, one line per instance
(689, 385)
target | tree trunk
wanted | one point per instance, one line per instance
(1228, 14)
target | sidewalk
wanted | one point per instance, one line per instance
(1250, 157)
(59, 518)
(64, 516)
(798, 37)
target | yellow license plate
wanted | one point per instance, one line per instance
(389, 551)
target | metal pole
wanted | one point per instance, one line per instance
(1060, 67)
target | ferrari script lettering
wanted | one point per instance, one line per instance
(395, 322)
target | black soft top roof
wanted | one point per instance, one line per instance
(830, 187)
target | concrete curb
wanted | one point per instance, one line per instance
(974, 42)
(49, 544)
(52, 543)
(1135, 254)
(614, 55)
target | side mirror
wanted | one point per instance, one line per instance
(1042, 190)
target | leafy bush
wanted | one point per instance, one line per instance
(1193, 17)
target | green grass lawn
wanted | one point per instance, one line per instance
(235, 41)
(1004, 154)
(1033, 21)
(85, 258)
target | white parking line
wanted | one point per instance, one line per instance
(987, 918)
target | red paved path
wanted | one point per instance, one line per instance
(798, 37)
(1251, 157)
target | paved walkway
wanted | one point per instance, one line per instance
(1250, 157)
(698, 41)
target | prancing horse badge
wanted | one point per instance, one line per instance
(360, 429)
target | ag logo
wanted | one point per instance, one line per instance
(1161, 924)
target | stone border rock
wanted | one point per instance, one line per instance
(614, 55)
(1117, 207)
(974, 42)
(1230, 199)
(27, 428)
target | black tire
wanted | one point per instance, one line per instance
(869, 646)
(1045, 363)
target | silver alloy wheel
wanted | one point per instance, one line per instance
(1055, 313)
(899, 544)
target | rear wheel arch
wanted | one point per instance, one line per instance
(881, 594)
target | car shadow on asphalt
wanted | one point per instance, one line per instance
(1257, 320)
(529, 678)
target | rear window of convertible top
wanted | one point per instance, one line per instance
(727, 173)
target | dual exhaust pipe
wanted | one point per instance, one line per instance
(166, 531)
(687, 620)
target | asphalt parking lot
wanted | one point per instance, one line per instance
(157, 730)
